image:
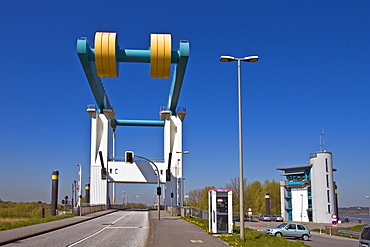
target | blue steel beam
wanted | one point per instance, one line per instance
(152, 123)
(86, 55)
(87, 58)
(178, 77)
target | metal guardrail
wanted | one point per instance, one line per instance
(350, 233)
(334, 230)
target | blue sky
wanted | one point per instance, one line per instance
(313, 74)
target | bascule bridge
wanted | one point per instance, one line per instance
(103, 61)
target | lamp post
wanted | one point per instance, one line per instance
(368, 197)
(250, 59)
(182, 181)
(301, 207)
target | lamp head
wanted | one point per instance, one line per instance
(226, 59)
(250, 59)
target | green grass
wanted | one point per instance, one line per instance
(33, 221)
(252, 238)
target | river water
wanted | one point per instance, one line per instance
(355, 218)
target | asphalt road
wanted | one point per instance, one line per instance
(322, 240)
(121, 228)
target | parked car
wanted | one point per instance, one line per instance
(264, 218)
(365, 237)
(290, 230)
(277, 218)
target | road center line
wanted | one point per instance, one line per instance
(92, 235)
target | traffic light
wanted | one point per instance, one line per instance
(159, 192)
(168, 175)
(129, 157)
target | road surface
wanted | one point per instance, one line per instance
(122, 228)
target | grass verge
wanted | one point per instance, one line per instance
(252, 238)
(34, 221)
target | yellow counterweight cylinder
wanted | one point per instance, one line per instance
(160, 55)
(106, 54)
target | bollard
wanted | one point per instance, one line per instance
(267, 202)
(320, 230)
(54, 193)
(258, 227)
(87, 189)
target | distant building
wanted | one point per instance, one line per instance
(309, 193)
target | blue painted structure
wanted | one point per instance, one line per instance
(87, 57)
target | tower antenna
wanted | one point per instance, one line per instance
(321, 140)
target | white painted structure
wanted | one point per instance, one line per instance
(324, 201)
(141, 171)
(309, 194)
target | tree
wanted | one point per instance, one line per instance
(199, 198)
(255, 197)
(234, 185)
(194, 196)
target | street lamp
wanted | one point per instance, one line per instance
(181, 183)
(250, 59)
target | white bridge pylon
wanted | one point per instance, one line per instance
(141, 171)
(106, 169)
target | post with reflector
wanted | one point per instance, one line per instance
(54, 192)
(87, 189)
(267, 202)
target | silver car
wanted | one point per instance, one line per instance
(264, 218)
(277, 218)
(290, 230)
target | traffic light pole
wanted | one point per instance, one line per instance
(158, 187)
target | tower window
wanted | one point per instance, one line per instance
(327, 181)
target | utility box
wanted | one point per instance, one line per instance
(220, 210)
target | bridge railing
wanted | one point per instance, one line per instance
(197, 212)
(88, 209)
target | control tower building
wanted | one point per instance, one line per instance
(309, 193)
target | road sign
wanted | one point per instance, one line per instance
(334, 221)
(249, 211)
